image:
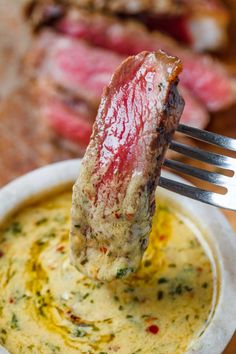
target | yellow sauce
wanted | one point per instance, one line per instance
(47, 306)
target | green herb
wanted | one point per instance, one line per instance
(123, 272)
(14, 322)
(205, 285)
(42, 301)
(15, 228)
(116, 298)
(99, 285)
(18, 296)
(41, 242)
(147, 263)
(121, 308)
(31, 347)
(129, 316)
(176, 290)
(108, 320)
(85, 296)
(201, 333)
(172, 265)
(160, 295)
(129, 290)
(163, 208)
(162, 280)
(3, 336)
(188, 288)
(79, 333)
(49, 234)
(188, 268)
(136, 299)
(53, 348)
(193, 243)
(84, 261)
(41, 221)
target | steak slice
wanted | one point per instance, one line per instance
(114, 196)
(204, 76)
(71, 76)
(69, 120)
(202, 24)
(73, 65)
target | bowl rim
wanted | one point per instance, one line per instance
(223, 322)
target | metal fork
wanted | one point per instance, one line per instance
(227, 200)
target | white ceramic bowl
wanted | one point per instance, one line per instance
(221, 243)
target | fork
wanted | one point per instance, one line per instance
(227, 200)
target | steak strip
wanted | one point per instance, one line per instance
(71, 76)
(202, 24)
(204, 76)
(114, 196)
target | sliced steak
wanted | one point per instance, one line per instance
(204, 76)
(73, 65)
(195, 113)
(71, 121)
(202, 24)
(71, 76)
(114, 196)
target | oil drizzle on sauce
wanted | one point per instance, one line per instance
(47, 306)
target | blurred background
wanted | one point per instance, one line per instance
(56, 56)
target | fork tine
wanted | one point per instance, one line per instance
(196, 193)
(202, 155)
(199, 173)
(209, 137)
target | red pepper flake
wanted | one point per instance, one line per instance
(1, 254)
(11, 300)
(199, 269)
(89, 195)
(74, 319)
(150, 319)
(129, 216)
(153, 329)
(162, 237)
(61, 248)
(103, 249)
(117, 215)
(114, 348)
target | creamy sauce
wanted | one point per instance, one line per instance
(47, 306)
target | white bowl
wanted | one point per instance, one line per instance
(221, 243)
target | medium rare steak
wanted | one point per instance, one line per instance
(71, 75)
(202, 24)
(204, 76)
(114, 196)
(76, 57)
